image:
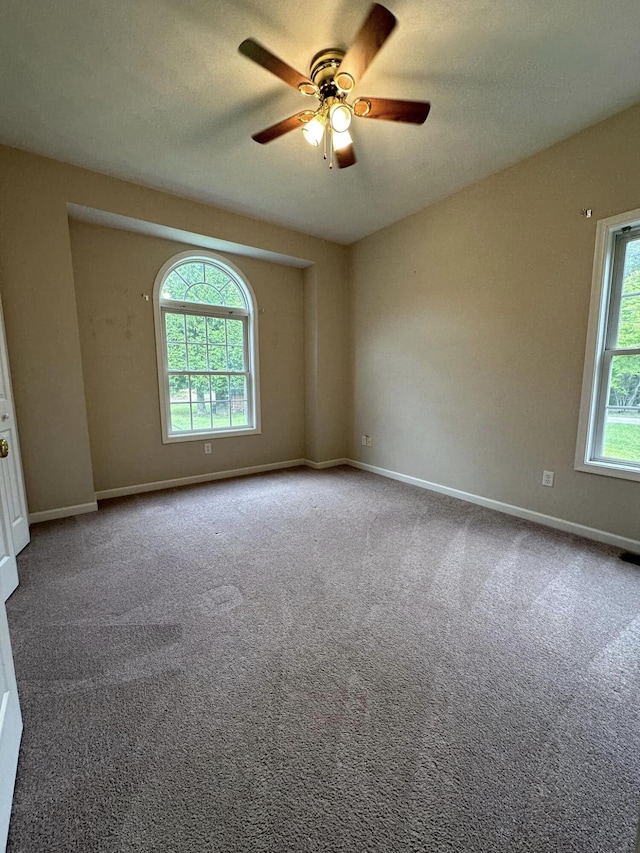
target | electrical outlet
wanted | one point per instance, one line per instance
(369, 441)
(207, 447)
(363, 441)
(547, 478)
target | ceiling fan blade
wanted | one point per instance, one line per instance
(259, 54)
(370, 37)
(282, 127)
(345, 156)
(414, 112)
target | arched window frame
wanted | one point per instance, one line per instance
(248, 315)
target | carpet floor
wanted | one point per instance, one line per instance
(323, 661)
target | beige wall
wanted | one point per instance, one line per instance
(112, 268)
(469, 327)
(465, 330)
(38, 293)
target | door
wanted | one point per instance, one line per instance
(14, 535)
(10, 727)
(10, 718)
(11, 467)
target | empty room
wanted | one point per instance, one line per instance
(319, 427)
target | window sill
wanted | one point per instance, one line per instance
(610, 469)
(207, 436)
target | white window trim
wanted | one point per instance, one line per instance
(588, 423)
(159, 306)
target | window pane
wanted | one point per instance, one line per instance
(192, 272)
(176, 357)
(629, 328)
(239, 414)
(239, 407)
(174, 326)
(215, 330)
(201, 415)
(180, 417)
(221, 415)
(235, 331)
(178, 388)
(218, 358)
(238, 387)
(195, 329)
(214, 275)
(220, 387)
(200, 389)
(621, 438)
(174, 287)
(629, 319)
(622, 417)
(236, 358)
(197, 357)
(631, 273)
(232, 296)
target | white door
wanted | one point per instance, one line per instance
(10, 727)
(14, 535)
(11, 467)
(10, 718)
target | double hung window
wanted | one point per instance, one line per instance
(609, 440)
(207, 349)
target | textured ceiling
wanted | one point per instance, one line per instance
(155, 91)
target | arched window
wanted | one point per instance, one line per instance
(207, 346)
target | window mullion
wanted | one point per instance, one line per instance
(172, 372)
(627, 351)
(202, 310)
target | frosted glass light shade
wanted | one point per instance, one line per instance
(340, 117)
(314, 131)
(341, 140)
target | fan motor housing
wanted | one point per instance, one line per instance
(324, 66)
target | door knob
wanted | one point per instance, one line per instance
(4, 448)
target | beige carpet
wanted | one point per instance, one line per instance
(323, 661)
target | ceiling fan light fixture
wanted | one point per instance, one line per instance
(361, 107)
(313, 131)
(308, 88)
(345, 82)
(333, 73)
(340, 117)
(341, 140)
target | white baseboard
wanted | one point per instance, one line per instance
(140, 488)
(509, 509)
(62, 512)
(331, 463)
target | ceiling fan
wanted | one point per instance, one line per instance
(333, 76)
